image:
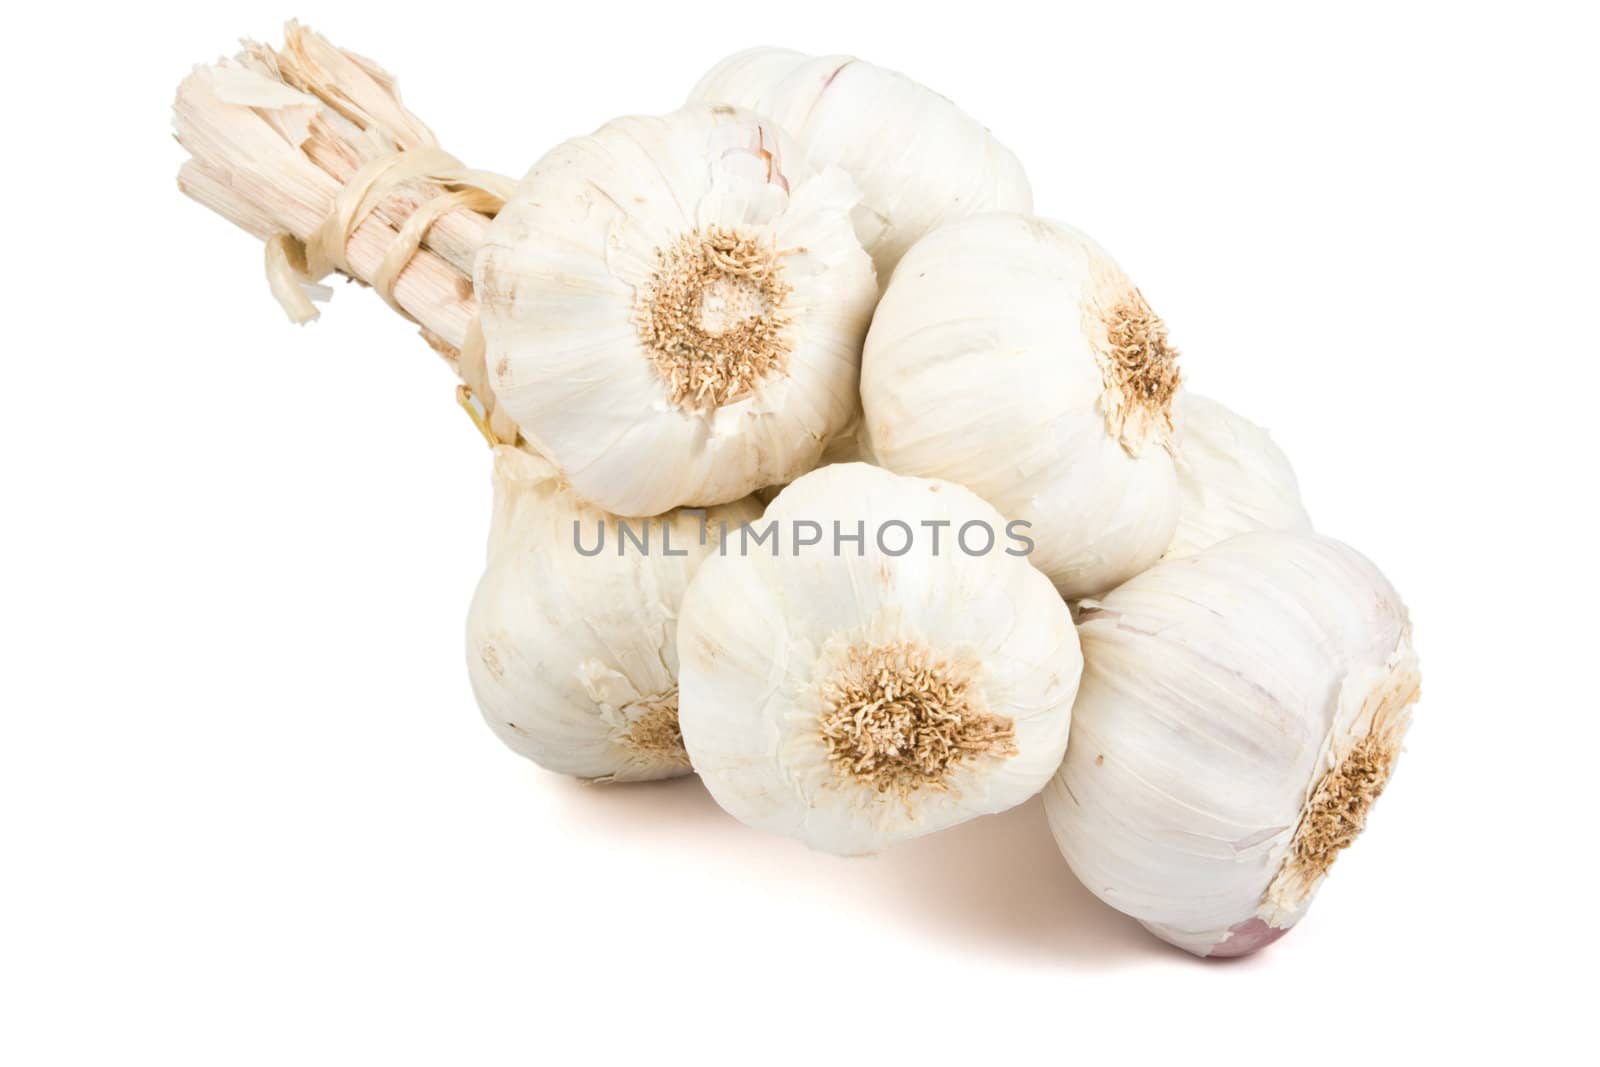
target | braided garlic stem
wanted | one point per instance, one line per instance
(310, 149)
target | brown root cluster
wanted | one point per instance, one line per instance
(653, 729)
(712, 317)
(1145, 362)
(1138, 363)
(898, 718)
(1337, 811)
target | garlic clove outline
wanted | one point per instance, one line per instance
(1240, 711)
(920, 160)
(573, 657)
(1232, 476)
(673, 309)
(855, 701)
(1012, 355)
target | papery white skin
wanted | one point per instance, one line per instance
(978, 369)
(1233, 478)
(557, 281)
(562, 648)
(850, 445)
(758, 632)
(920, 160)
(1217, 691)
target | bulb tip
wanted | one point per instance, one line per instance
(1244, 938)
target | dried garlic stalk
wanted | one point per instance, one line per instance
(310, 149)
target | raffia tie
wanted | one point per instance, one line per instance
(294, 267)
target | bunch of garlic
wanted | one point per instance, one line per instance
(1232, 478)
(1010, 354)
(675, 312)
(920, 160)
(673, 309)
(571, 636)
(856, 692)
(1240, 711)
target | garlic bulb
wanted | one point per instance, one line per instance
(571, 635)
(1011, 355)
(854, 691)
(1240, 711)
(673, 309)
(919, 159)
(1232, 476)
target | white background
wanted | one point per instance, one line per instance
(248, 811)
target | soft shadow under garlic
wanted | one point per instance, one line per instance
(999, 882)
(995, 885)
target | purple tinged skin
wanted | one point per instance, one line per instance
(1245, 938)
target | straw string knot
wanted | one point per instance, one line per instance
(295, 267)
